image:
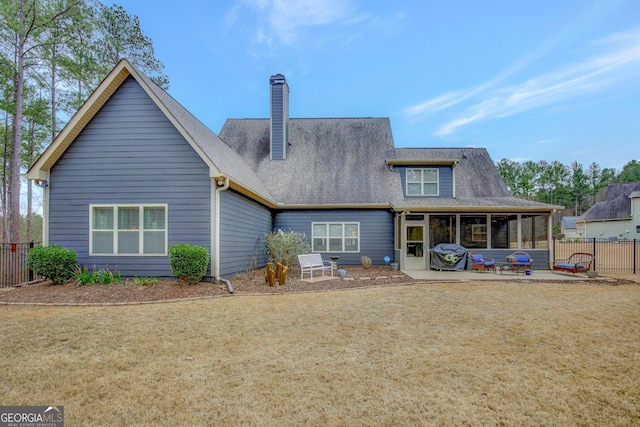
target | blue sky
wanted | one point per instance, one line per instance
(528, 80)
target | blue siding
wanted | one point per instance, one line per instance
(129, 153)
(243, 225)
(445, 174)
(376, 230)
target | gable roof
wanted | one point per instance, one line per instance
(220, 158)
(617, 203)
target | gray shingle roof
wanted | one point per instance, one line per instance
(342, 161)
(616, 204)
(337, 161)
(569, 221)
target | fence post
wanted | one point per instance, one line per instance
(31, 245)
(594, 254)
(635, 255)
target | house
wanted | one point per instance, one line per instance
(568, 227)
(133, 172)
(617, 217)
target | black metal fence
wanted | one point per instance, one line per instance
(13, 263)
(610, 255)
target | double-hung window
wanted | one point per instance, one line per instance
(422, 182)
(336, 236)
(128, 229)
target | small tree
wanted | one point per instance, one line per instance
(54, 263)
(188, 262)
(285, 246)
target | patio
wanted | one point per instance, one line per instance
(470, 275)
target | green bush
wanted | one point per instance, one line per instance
(188, 262)
(54, 263)
(285, 246)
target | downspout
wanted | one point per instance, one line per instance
(222, 184)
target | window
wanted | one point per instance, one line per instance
(422, 182)
(128, 230)
(336, 237)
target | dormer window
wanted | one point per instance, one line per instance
(422, 182)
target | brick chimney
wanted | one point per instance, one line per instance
(279, 123)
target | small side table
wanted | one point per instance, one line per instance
(509, 266)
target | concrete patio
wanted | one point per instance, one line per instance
(469, 275)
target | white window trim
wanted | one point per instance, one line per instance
(141, 230)
(422, 182)
(343, 237)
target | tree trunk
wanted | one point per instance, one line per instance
(5, 163)
(16, 139)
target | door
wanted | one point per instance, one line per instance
(414, 250)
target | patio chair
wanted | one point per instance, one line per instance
(479, 263)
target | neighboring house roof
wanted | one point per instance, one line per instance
(569, 222)
(221, 159)
(617, 204)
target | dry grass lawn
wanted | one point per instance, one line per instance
(430, 354)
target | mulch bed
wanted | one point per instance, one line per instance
(168, 290)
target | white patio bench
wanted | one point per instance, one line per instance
(313, 262)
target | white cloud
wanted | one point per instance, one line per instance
(615, 62)
(283, 20)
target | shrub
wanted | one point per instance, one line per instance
(285, 246)
(366, 261)
(54, 263)
(188, 262)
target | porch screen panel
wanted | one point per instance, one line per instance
(473, 231)
(534, 232)
(500, 230)
(442, 229)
